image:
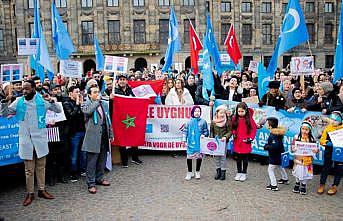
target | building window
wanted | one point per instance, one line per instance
(311, 33)
(246, 34)
(267, 34)
(225, 6)
(266, 60)
(163, 2)
(186, 29)
(139, 31)
(188, 2)
(246, 6)
(86, 3)
(225, 27)
(284, 8)
(164, 31)
(113, 32)
(112, 3)
(138, 3)
(31, 29)
(328, 33)
(2, 44)
(31, 3)
(246, 60)
(329, 61)
(309, 7)
(266, 7)
(328, 7)
(61, 3)
(87, 32)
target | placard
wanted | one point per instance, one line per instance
(144, 91)
(178, 67)
(11, 72)
(336, 137)
(253, 66)
(251, 100)
(304, 148)
(302, 65)
(212, 146)
(52, 117)
(27, 46)
(116, 64)
(71, 68)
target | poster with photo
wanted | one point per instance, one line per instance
(11, 72)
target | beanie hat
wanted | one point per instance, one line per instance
(193, 110)
(336, 116)
(327, 87)
(6, 84)
(307, 124)
(221, 107)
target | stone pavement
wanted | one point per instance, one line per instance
(157, 191)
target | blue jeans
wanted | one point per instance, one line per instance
(76, 153)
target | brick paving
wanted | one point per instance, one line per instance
(157, 191)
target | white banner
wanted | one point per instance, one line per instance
(116, 64)
(165, 125)
(304, 148)
(302, 65)
(212, 146)
(27, 46)
(52, 117)
(70, 68)
(337, 137)
(11, 72)
(253, 66)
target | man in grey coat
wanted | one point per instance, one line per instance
(30, 110)
(96, 141)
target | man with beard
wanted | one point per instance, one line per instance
(39, 86)
(30, 110)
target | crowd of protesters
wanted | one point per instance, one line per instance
(85, 134)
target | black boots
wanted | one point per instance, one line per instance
(219, 174)
(296, 188)
(222, 177)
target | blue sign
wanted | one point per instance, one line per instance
(337, 154)
(285, 159)
(9, 141)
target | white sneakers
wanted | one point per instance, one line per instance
(190, 175)
(241, 177)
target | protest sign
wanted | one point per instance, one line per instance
(178, 67)
(302, 65)
(144, 91)
(251, 100)
(337, 154)
(153, 67)
(11, 72)
(337, 137)
(9, 141)
(253, 66)
(304, 148)
(52, 117)
(71, 68)
(27, 46)
(212, 146)
(116, 64)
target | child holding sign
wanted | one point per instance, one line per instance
(303, 168)
(325, 140)
(221, 129)
(194, 130)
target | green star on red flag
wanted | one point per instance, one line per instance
(129, 121)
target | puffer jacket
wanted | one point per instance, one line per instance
(274, 145)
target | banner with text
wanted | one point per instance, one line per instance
(71, 68)
(9, 141)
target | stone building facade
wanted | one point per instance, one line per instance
(138, 29)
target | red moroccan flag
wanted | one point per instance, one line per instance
(156, 85)
(129, 120)
(196, 46)
(232, 46)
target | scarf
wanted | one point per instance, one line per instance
(95, 116)
(219, 122)
(40, 109)
(193, 136)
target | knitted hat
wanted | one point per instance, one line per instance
(194, 108)
(221, 107)
(307, 124)
(336, 116)
(6, 84)
(327, 87)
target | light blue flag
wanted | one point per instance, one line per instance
(294, 30)
(272, 66)
(174, 43)
(263, 80)
(62, 41)
(338, 70)
(41, 59)
(212, 43)
(208, 82)
(99, 57)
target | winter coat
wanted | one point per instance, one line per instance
(221, 131)
(274, 145)
(203, 130)
(74, 115)
(31, 138)
(192, 89)
(336, 105)
(173, 99)
(298, 103)
(93, 137)
(224, 93)
(277, 101)
(241, 133)
(325, 138)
